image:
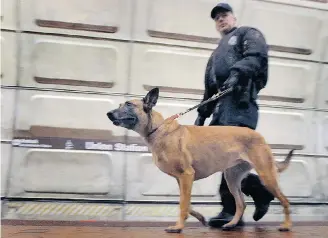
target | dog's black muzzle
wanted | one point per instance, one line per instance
(113, 117)
(122, 119)
(110, 115)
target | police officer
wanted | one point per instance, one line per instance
(240, 61)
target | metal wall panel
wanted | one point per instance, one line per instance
(5, 162)
(8, 58)
(281, 23)
(98, 18)
(9, 14)
(324, 38)
(184, 22)
(325, 133)
(290, 83)
(322, 88)
(322, 132)
(70, 63)
(67, 171)
(66, 174)
(7, 113)
(299, 181)
(322, 172)
(168, 68)
(282, 128)
(41, 113)
(315, 4)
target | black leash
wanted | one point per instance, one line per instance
(175, 116)
(214, 97)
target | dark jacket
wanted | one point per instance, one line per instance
(244, 52)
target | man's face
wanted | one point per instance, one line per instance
(224, 21)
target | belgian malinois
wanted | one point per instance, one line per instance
(189, 153)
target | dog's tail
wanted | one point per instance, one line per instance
(283, 165)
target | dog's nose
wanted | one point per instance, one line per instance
(110, 115)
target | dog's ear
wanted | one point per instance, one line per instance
(150, 99)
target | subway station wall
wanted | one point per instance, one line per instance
(66, 63)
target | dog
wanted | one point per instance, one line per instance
(189, 153)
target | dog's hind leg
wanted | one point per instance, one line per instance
(269, 179)
(185, 181)
(234, 176)
(268, 173)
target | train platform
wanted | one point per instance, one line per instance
(93, 229)
(43, 219)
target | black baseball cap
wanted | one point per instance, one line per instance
(221, 7)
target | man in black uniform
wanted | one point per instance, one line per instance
(240, 61)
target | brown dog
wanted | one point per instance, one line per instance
(190, 153)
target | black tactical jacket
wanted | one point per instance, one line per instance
(242, 51)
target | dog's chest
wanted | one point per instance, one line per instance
(166, 165)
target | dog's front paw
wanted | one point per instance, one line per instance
(174, 229)
(284, 227)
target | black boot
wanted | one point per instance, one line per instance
(229, 208)
(252, 185)
(223, 218)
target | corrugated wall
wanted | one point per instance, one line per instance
(66, 63)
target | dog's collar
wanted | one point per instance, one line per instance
(152, 131)
(171, 118)
(149, 125)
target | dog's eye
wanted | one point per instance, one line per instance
(128, 104)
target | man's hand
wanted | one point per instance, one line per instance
(200, 121)
(230, 82)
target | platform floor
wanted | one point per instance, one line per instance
(89, 229)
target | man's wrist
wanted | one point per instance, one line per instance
(200, 120)
(234, 73)
(201, 117)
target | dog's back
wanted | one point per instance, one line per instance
(212, 148)
(227, 137)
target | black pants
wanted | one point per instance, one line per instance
(250, 186)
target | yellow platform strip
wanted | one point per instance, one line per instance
(105, 210)
(64, 209)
